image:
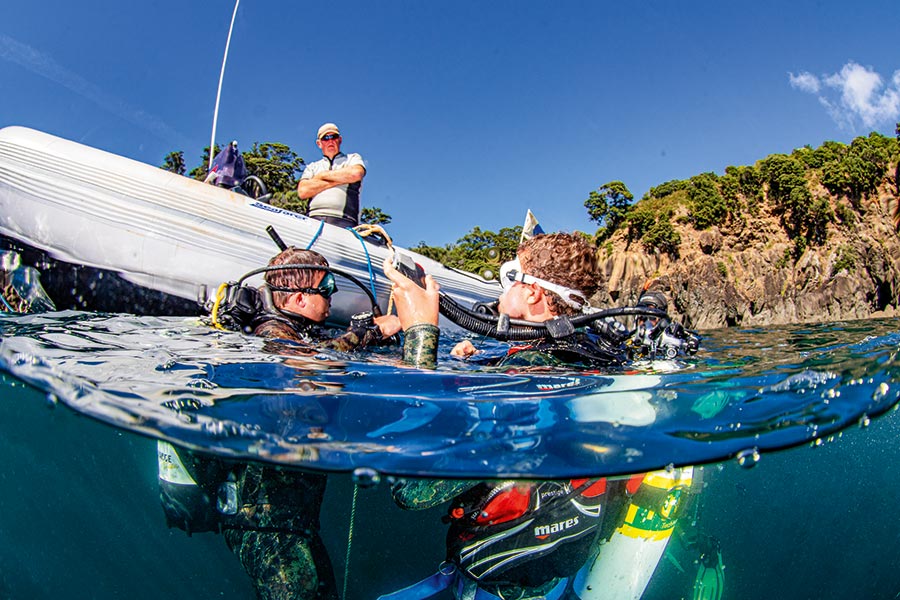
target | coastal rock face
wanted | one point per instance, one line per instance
(745, 274)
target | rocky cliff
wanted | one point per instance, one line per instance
(748, 272)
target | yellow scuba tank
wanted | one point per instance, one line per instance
(626, 562)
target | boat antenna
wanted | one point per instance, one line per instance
(276, 238)
(212, 138)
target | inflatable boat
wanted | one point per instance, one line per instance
(112, 234)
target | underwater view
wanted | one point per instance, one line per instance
(449, 301)
(794, 498)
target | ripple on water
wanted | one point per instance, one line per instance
(746, 392)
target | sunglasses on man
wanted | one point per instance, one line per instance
(330, 136)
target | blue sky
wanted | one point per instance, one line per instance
(470, 112)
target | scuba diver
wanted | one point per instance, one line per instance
(538, 539)
(657, 336)
(294, 303)
(269, 516)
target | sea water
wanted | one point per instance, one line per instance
(83, 397)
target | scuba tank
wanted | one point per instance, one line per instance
(204, 493)
(187, 505)
(626, 562)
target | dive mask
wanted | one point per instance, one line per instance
(326, 288)
(511, 272)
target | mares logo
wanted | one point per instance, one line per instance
(565, 384)
(544, 531)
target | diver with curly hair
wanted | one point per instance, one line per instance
(526, 539)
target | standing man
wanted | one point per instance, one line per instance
(333, 183)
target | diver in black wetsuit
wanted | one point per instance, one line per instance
(516, 539)
(268, 515)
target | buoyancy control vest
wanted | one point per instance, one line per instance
(244, 308)
(582, 349)
(525, 533)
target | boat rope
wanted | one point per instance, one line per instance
(368, 258)
(316, 237)
(6, 304)
(214, 314)
(367, 229)
(349, 540)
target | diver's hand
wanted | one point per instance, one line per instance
(388, 324)
(415, 305)
(463, 349)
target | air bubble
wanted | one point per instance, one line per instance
(52, 400)
(864, 421)
(747, 459)
(366, 478)
(880, 392)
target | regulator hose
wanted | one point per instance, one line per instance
(503, 328)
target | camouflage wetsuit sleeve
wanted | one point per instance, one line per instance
(351, 340)
(420, 344)
(276, 329)
(347, 341)
(419, 494)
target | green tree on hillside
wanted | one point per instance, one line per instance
(669, 187)
(276, 164)
(857, 173)
(742, 188)
(786, 178)
(199, 172)
(374, 216)
(470, 252)
(662, 237)
(897, 178)
(174, 162)
(783, 183)
(651, 222)
(607, 206)
(708, 207)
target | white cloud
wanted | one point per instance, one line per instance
(42, 64)
(855, 95)
(806, 82)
